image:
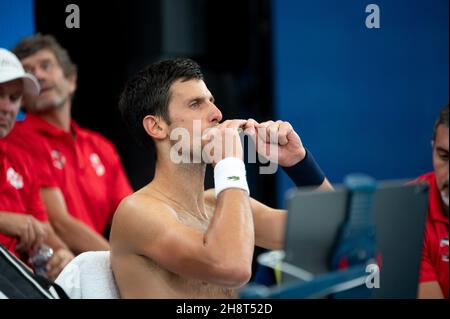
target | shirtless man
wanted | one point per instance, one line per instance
(172, 239)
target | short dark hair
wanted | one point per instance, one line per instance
(32, 44)
(148, 93)
(441, 120)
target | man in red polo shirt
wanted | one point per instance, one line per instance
(434, 267)
(86, 180)
(23, 220)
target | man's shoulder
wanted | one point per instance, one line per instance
(26, 137)
(19, 160)
(33, 127)
(30, 150)
(138, 218)
(140, 207)
(15, 153)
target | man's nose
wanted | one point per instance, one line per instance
(216, 115)
(40, 74)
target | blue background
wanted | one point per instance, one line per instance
(363, 100)
(16, 21)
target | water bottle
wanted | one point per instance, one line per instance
(39, 258)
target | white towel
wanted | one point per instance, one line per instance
(89, 276)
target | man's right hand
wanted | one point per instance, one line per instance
(223, 141)
(57, 262)
(30, 232)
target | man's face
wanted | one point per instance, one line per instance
(191, 102)
(56, 89)
(10, 98)
(440, 161)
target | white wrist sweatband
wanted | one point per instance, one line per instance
(230, 173)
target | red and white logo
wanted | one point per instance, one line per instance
(14, 178)
(97, 164)
(59, 161)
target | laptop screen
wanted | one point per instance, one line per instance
(398, 212)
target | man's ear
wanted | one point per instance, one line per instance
(155, 126)
(72, 79)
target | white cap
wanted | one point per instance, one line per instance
(12, 69)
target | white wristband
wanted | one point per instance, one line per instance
(230, 173)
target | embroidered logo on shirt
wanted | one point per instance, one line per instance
(233, 178)
(59, 161)
(97, 164)
(14, 178)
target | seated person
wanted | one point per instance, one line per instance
(23, 220)
(171, 239)
(84, 180)
(434, 266)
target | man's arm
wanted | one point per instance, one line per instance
(429, 287)
(278, 142)
(430, 290)
(269, 223)
(29, 231)
(62, 254)
(78, 236)
(53, 240)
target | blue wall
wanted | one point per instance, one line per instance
(16, 21)
(363, 100)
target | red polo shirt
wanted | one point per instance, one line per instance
(434, 266)
(83, 164)
(19, 188)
